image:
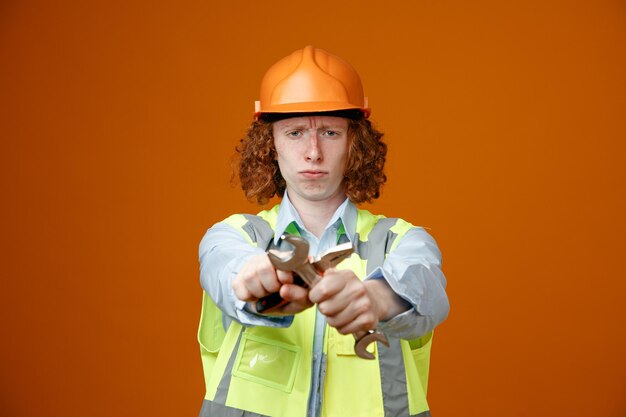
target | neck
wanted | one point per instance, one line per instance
(316, 214)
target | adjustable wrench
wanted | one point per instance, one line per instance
(297, 261)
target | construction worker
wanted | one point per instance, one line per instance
(312, 144)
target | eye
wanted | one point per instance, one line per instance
(294, 134)
(331, 133)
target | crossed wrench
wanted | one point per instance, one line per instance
(297, 261)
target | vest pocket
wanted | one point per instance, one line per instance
(267, 362)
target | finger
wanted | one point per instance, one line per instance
(241, 292)
(266, 274)
(357, 314)
(355, 326)
(339, 309)
(297, 296)
(295, 308)
(284, 277)
(331, 297)
(253, 282)
(268, 281)
(255, 287)
(333, 306)
(326, 288)
(247, 284)
(295, 293)
(351, 321)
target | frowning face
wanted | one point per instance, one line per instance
(312, 152)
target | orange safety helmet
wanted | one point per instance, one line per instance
(311, 80)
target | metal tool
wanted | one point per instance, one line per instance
(306, 272)
(363, 339)
(297, 261)
(311, 272)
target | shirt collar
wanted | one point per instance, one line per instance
(345, 216)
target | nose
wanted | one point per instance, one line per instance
(313, 151)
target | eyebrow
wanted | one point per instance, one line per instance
(303, 127)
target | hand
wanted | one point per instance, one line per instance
(258, 278)
(351, 305)
(347, 303)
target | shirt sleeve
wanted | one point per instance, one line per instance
(223, 251)
(413, 271)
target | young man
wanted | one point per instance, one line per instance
(312, 144)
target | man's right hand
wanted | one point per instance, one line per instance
(258, 278)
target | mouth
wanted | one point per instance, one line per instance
(313, 173)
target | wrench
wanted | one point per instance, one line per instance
(297, 261)
(362, 339)
(307, 273)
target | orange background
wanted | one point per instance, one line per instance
(506, 128)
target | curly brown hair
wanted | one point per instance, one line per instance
(261, 178)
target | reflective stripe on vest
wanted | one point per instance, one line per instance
(403, 388)
(214, 409)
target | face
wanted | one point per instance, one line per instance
(312, 152)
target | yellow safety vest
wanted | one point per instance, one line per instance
(263, 371)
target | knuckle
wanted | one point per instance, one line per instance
(323, 308)
(360, 291)
(333, 323)
(323, 292)
(272, 286)
(247, 278)
(362, 308)
(241, 293)
(238, 286)
(265, 269)
(343, 331)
